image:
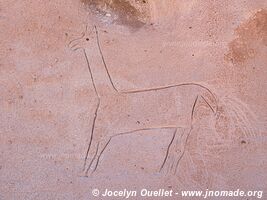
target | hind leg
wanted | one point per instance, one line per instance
(179, 145)
(169, 156)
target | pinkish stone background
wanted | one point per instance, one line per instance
(47, 100)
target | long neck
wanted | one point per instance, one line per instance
(98, 69)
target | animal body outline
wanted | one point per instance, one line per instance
(105, 88)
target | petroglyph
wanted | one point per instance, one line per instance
(136, 83)
(126, 112)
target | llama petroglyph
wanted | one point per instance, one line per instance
(125, 112)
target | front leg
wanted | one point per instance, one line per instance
(101, 146)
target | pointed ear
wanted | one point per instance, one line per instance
(95, 30)
(89, 30)
(86, 28)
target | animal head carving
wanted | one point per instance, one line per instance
(87, 38)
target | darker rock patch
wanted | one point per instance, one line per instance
(249, 35)
(128, 13)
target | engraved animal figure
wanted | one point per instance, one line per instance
(125, 112)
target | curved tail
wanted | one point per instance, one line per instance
(240, 115)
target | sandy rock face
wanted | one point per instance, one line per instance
(137, 98)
